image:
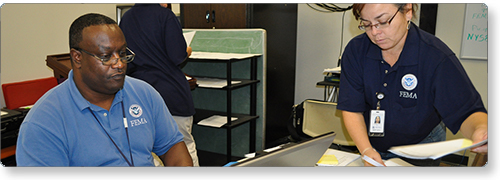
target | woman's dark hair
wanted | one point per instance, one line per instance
(356, 9)
(86, 20)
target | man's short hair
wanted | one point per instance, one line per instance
(86, 20)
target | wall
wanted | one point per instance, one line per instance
(30, 32)
(318, 47)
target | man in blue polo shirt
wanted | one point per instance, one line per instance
(99, 116)
(409, 79)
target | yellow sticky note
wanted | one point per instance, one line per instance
(466, 143)
(328, 159)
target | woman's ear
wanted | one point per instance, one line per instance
(409, 11)
(76, 58)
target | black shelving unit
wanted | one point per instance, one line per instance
(242, 118)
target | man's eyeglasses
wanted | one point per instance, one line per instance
(380, 25)
(111, 61)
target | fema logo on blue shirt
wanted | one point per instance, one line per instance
(135, 110)
(409, 82)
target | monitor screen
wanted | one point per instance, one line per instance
(302, 154)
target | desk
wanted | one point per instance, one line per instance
(331, 91)
(355, 160)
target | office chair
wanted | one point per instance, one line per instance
(321, 117)
(25, 93)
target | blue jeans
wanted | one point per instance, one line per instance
(436, 135)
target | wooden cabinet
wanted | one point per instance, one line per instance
(214, 16)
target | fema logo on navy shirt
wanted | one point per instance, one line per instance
(135, 110)
(409, 82)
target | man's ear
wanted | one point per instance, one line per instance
(76, 58)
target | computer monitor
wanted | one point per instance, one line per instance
(303, 154)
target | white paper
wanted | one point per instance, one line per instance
(434, 150)
(343, 157)
(332, 70)
(389, 162)
(215, 121)
(396, 162)
(372, 161)
(4, 113)
(272, 149)
(188, 36)
(213, 82)
(220, 56)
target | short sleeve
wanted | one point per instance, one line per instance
(351, 91)
(167, 133)
(455, 96)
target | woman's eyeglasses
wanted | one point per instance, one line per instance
(380, 25)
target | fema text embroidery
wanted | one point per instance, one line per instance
(405, 94)
(137, 122)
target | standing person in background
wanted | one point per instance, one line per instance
(409, 77)
(153, 32)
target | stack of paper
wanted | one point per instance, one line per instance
(389, 162)
(213, 82)
(332, 70)
(434, 150)
(215, 121)
(328, 160)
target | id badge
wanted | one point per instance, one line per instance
(377, 120)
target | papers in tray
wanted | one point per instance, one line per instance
(434, 150)
(213, 82)
(332, 70)
(333, 157)
(215, 121)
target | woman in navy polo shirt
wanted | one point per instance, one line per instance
(408, 78)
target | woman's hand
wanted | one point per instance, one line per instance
(372, 153)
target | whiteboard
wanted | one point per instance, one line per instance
(475, 32)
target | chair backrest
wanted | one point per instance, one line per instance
(321, 117)
(26, 93)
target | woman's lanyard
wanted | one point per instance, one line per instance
(126, 131)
